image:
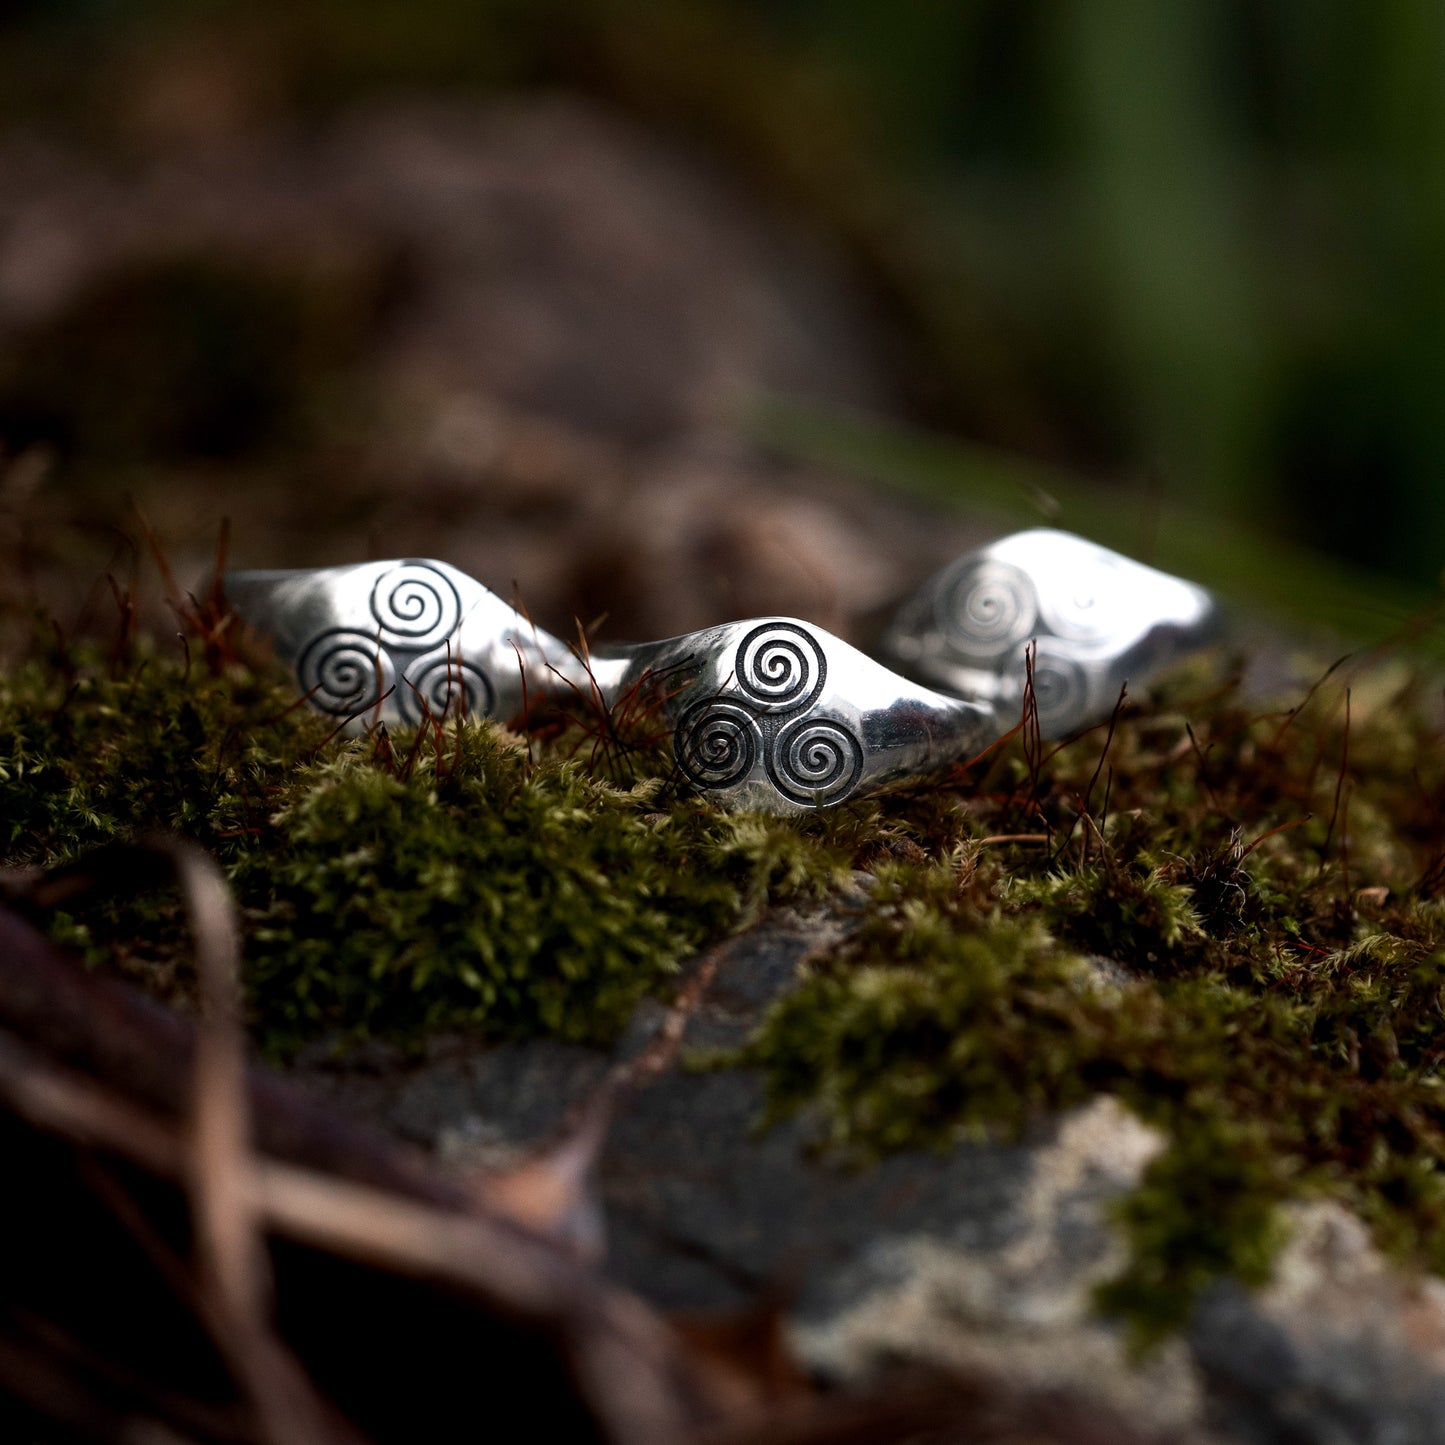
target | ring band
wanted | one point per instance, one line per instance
(772, 714)
(1097, 620)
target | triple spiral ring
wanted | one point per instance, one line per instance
(347, 672)
(780, 670)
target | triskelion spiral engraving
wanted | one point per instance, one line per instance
(345, 673)
(415, 606)
(716, 743)
(815, 761)
(987, 607)
(781, 665)
(778, 673)
(445, 685)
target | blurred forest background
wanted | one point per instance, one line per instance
(1170, 274)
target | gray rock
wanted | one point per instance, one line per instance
(1341, 1347)
(982, 1257)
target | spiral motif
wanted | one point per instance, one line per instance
(987, 607)
(443, 685)
(344, 672)
(716, 744)
(1061, 690)
(782, 666)
(815, 762)
(415, 606)
(1083, 603)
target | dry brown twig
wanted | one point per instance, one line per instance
(435, 1234)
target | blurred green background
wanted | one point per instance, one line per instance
(1167, 260)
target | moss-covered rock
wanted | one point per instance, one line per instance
(1229, 922)
(1275, 1006)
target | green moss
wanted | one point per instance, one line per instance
(1204, 1209)
(387, 884)
(483, 889)
(927, 1022)
(1131, 910)
(90, 753)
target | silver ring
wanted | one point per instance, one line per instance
(1097, 620)
(772, 714)
(395, 641)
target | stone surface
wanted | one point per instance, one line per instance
(1021, 1306)
(1341, 1347)
(983, 1257)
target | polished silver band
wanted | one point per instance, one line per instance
(772, 714)
(1096, 619)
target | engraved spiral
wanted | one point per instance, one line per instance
(987, 607)
(816, 762)
(716, 744)
(444, 685)
(415, 605)
(345, 673)
(782, 666)
(1084, 602)
(1061, 690)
